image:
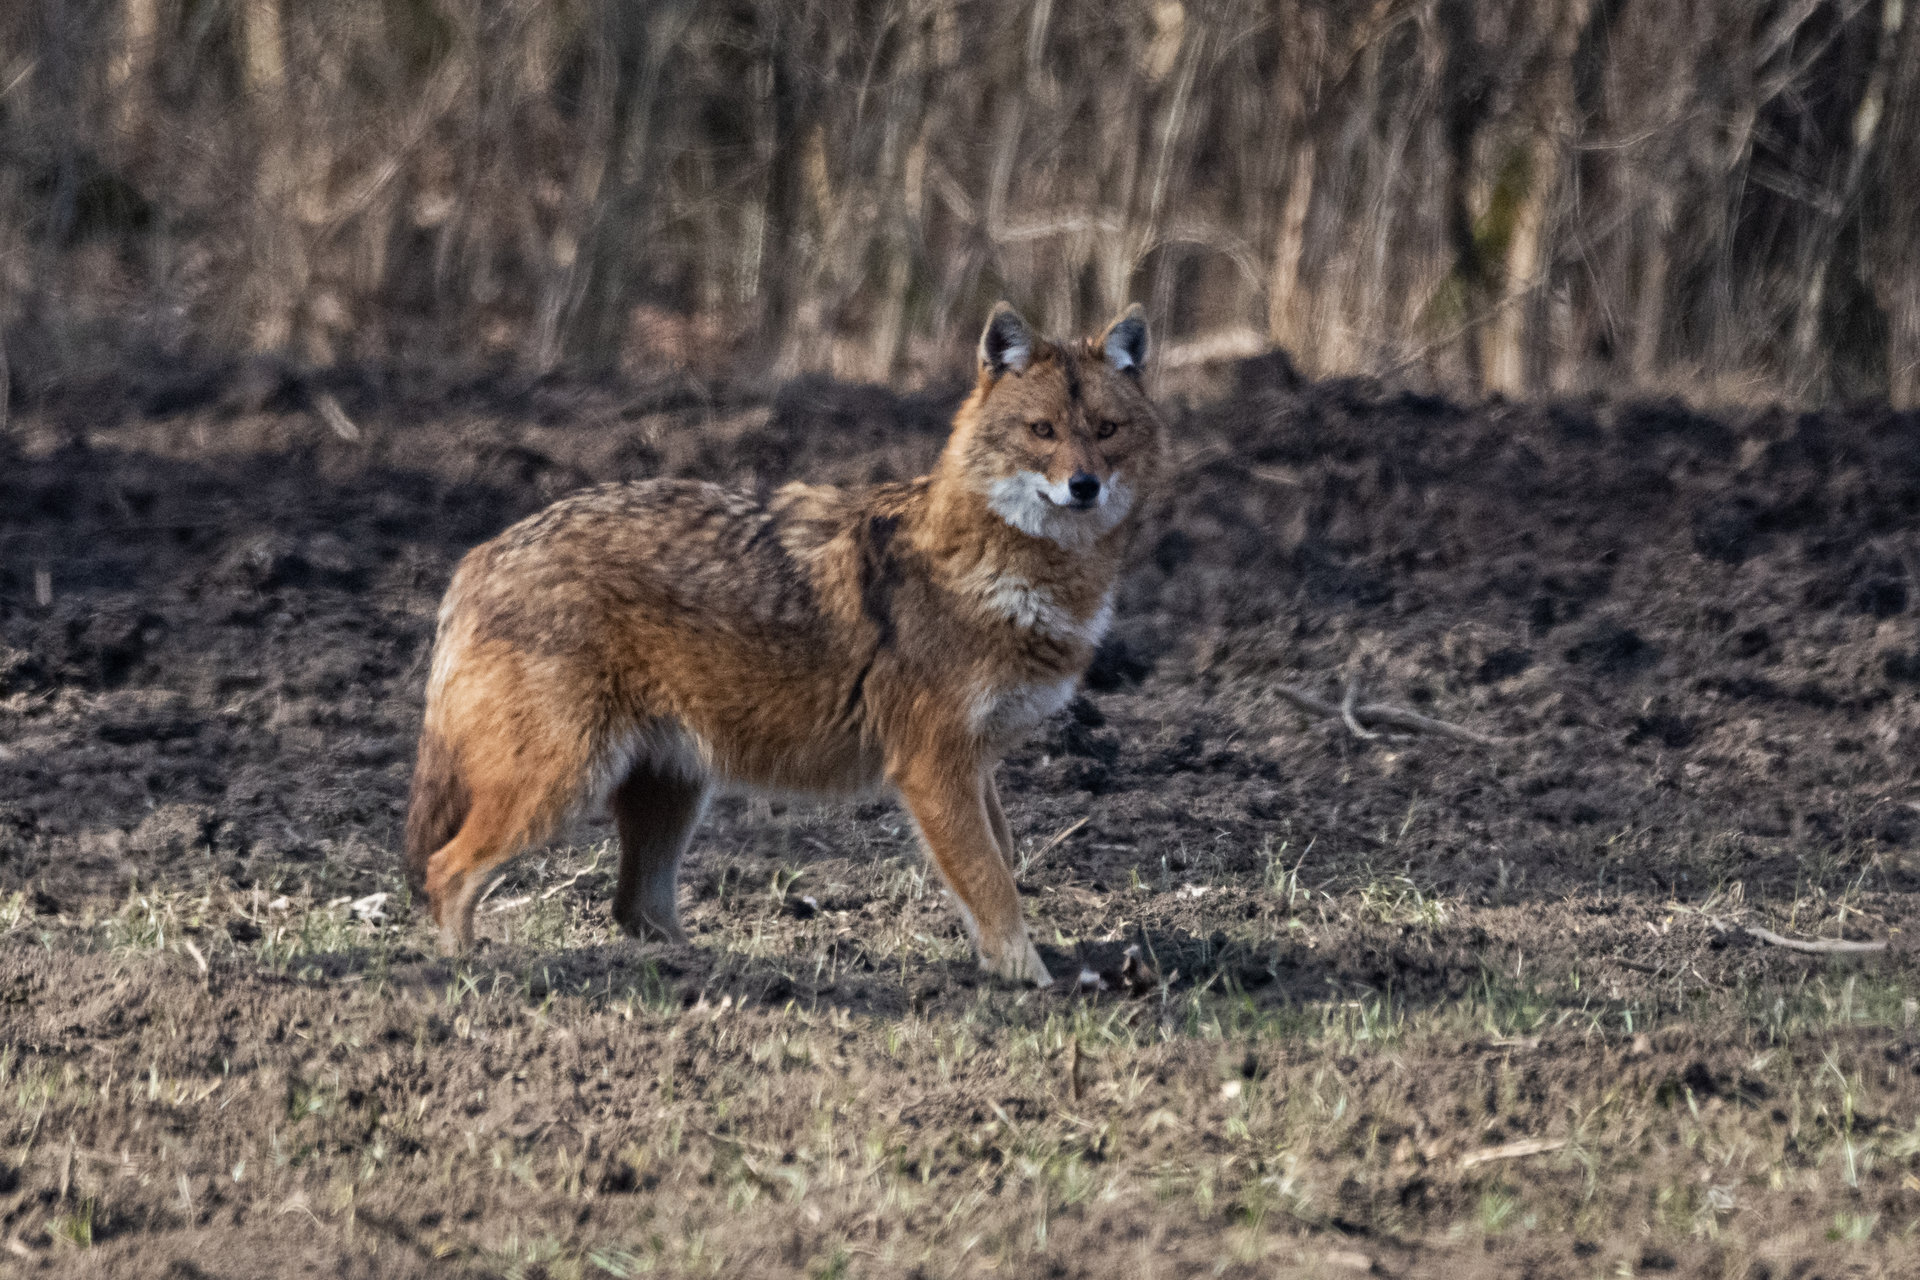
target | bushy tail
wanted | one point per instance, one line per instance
(438, 807)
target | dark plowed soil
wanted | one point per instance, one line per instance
(1698, 634)
(1692, 636)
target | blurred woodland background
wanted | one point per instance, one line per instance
(1707, 196)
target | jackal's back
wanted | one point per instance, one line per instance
(693, 555)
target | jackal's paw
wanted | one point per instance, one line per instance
(454, 941)
(644, 928)
(1017, 962)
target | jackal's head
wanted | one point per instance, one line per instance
(1059, 437)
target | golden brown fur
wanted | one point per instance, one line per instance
(641, 644)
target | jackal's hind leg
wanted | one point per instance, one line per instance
(496, 828)
(656, 813)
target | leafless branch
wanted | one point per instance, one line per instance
(1058, 836)
(1813, 946)
(1347, 705)
(1356, 715)
(1512, 1151)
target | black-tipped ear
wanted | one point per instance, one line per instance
(1007, 342)
(1124, 344)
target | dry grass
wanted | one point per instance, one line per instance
(611, 1112)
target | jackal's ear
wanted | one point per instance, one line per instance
(1007, 342)
(1124, 344)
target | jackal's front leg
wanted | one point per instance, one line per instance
(997, 818)
(944, 794)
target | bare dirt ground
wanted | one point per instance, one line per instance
(1410, 1005)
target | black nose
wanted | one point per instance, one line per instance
(1083, 487)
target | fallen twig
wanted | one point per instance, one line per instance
(508, 904)
(335, 417)
(1057, 837)
(1812, 946)
(1512, 1151)
(573, 879)
(1355, 716)
(1346, 711)
(1514, 1042)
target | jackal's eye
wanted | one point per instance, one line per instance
(1043, 429)
(1106, 429)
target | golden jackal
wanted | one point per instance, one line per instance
(642, 644)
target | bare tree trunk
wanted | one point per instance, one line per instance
(1287, 323)
(63, 90)
(1893, 250)
(1525, 264)
(641, 40)
(788, 117)
(1172, 139)
(1820, 352)
(1896, 244)
(1118, 185)
(902, 179)
(1650, 289)
(279, 269)
(1464, 81)
(6, 381)
(130, 74)
(559, 248)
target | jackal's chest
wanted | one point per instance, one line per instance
(1004, 715)
(1036, 610)
(1049, 633)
